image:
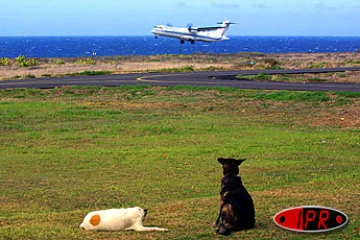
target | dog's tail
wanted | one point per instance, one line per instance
(152, 229)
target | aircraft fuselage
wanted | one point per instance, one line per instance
(193, 34)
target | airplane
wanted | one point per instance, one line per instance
(193, 34)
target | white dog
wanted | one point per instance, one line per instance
(117, 220)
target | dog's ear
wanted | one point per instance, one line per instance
(145, 212)
(222, 160)
(239, 161)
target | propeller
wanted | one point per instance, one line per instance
(189, 27)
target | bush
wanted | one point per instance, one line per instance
(271, 62)
(88, 61)
(187, 68)
(30, 76)
(317, 65)
(59, 62)
(26, 62)
(260, 77)
(4, 62)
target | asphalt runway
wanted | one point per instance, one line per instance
(209, 79)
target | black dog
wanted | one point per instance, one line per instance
(236, 206)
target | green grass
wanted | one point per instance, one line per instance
(260, 76)
(65, 152)
(317, 65)
(187, 68)
(295, 96)
(285, 77)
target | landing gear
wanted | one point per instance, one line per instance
(182, 41)
(192, 41)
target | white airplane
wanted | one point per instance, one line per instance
(193, 34)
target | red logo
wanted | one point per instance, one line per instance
(310, 219)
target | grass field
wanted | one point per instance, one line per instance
(65, 152)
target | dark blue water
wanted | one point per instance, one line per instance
(12, 47)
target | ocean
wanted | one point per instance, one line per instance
(59, 47)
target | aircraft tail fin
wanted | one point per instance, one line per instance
(224, 28)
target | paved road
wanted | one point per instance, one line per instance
(224, 79)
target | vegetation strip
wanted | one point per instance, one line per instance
(22, 67)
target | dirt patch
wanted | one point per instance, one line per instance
(344, 117)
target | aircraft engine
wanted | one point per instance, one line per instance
(192, 30)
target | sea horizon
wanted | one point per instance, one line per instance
(150, 35)
(117, 45)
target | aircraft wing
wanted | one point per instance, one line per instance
(202, 29)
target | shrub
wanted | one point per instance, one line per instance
(271, 62)
(59, 62)
(26, 62)
(260, 76)
(88, 61)
(30, 76)
(210, 69)
(317, 65)
(188, 68)
(4, 62)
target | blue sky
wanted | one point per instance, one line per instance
(137, 17)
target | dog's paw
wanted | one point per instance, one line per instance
(215, 225)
